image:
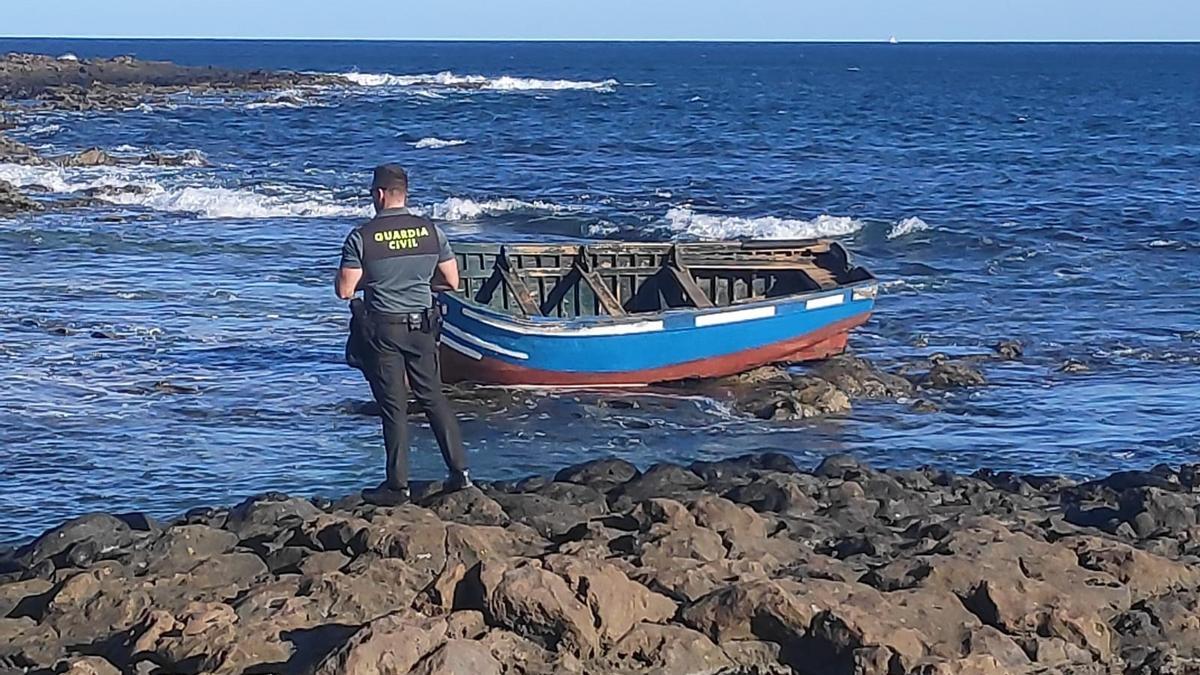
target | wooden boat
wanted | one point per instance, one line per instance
(637, 313)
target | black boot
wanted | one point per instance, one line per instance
(458, 480)
(384, 495)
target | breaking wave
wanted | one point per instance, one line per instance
(216, 203)
(683, 221)
(907, 226)
(461, 208)
(449, 80)
(143, 187)
(434, 143)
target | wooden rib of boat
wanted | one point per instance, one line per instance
(618, 313)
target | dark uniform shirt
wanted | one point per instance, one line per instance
(398, 253)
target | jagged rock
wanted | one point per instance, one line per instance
(469, 506)
(669, 650)
(1010, 350)
(951, 374)
(859, 378)
(268, 515)
(89, 665)
(606, 471)
(12, 201)
(539, 605)
(100, 531)
(660, 480)
(459, 657)
(810, 397)
(616, 602)
(549, 517)
(390, 645)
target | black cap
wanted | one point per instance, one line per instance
(390, 177)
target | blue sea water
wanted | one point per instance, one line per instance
(1047, 193)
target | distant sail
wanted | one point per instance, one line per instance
(893, 40)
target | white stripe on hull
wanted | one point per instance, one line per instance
(736, 316)
(461, 349)
(478, 342)
(827, 301)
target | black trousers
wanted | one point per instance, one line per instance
(398, 350)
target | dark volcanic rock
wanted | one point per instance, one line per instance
(747, 565)
(97, 532)
(12, 201)
(609, 470)
(952, 374)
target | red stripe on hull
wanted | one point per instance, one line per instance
(813, 346)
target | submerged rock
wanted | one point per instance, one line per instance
(952, 374)
(12, 201)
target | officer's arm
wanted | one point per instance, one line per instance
(350, 271)
(347, 282)
(447, 274)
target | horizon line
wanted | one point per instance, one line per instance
(620, 40)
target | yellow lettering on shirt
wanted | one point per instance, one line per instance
(402, 239)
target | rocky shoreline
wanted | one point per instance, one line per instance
(32, 84)
(748, 565)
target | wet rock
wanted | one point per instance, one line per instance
(89, 157)
(810, 397)
(859, 378)
(12, 201)
(1073, 366)
(606, 471)
(99, 531)
(1009, 350)
(15, 152)
(660, 480)
(952, 374)
(744, 466)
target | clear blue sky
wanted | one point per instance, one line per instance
(611, 19)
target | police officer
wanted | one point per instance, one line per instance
(396, 259)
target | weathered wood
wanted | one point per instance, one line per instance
(691, 289)
(520, 292)
(603, 293)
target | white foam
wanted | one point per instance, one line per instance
(907, 226)
(204, 201)
(449, 80)
(684, 221)
(434, 143)
(462, 208)
(44, 130)
(216, 202)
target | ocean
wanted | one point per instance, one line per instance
(180, 345)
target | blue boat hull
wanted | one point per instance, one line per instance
(483, 345)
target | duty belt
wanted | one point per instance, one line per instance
(414, 320)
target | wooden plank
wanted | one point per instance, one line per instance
(520, 292)
(603, 294)
(690, 288)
